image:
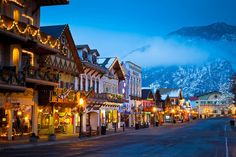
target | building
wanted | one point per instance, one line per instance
(58, 107)
(213, 104)
(89, 81)
(148, 110)
(110, 115)
(131, 88)
(21, 79)
(173, 104)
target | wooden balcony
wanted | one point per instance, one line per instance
(64, 97)
(107, 97)
(41, 77)
(30, 37)
(11, 80)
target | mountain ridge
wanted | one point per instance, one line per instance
(214, 31)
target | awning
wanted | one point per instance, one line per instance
(11, 88)
(41, 82)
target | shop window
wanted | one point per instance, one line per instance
(3, 119)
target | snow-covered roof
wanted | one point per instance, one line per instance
(106, 62)
(172, 92)
(207, 96)
(112, 63)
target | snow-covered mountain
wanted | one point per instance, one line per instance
(193, 79)
(215, 31)
(219, 39)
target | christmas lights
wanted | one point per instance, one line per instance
(48, 40)
(15, 1)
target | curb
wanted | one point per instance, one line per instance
(29, 145)
(47, 143)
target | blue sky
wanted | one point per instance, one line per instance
(117, 27)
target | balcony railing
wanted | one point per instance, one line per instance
(60, 95)
(10, 76)
(37, 73)
(28, 31)
(110, 97)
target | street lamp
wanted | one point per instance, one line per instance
(81, 104)
(154, 109)
(173, 115)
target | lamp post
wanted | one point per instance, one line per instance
(81, 104)
(173, 115)
(154, 109)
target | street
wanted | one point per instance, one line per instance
(201, 138)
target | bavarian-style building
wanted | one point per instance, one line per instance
(22, 79)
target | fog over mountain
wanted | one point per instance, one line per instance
(198, 59)
(188, 45)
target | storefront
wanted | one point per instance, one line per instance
(110, 117)
(57, 119)
(16, 114)
(60, 115)
(125, 114)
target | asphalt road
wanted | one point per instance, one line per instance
(203, 138)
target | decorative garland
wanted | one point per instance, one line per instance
(31, 31)
(15, 1)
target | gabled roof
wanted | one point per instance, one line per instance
(207, 95)
(92, 51)
(57, 31)
(112, 63)
(81, 47)
(147, 94)
(172, 92)
(106, 62)
(53, 2)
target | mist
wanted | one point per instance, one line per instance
(181, 51)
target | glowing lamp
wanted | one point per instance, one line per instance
(154, 109)
(81, 101)
(19, 113)
(172, 111)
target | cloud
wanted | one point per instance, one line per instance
(165, 52)
(153, 51)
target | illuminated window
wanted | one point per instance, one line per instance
(16, 56)
(27, 58)
(16, 15)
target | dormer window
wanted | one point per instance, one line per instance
(94, 59)
(85, 56)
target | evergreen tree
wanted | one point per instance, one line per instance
(167, 103)
(158, 98)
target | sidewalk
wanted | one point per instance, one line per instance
(23, 142)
